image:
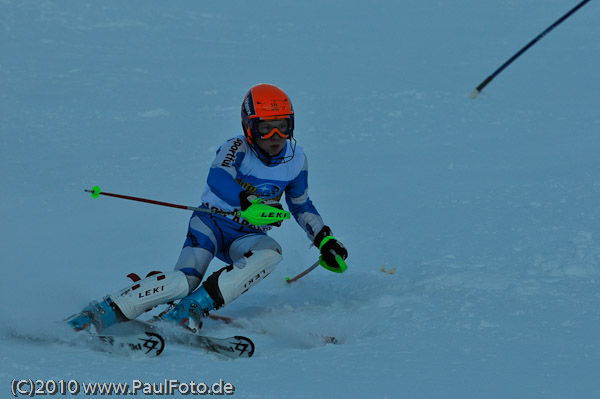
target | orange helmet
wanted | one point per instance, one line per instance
(265, 102)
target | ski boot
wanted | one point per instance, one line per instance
(189, 312)
(96, 316)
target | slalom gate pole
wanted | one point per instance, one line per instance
(527, 46)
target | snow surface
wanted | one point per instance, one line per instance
(488, 209)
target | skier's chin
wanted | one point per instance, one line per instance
(275, 151)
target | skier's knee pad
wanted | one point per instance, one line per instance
(231, 281)
(152, 291)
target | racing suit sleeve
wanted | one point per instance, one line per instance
(299, 203)
(223, 171)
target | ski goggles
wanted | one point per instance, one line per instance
(267, 128)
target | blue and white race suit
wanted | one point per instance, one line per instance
(238, 168)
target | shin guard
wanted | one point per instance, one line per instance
(231, 281)
(152, 291)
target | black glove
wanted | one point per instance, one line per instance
(247, 197)
(329, 247)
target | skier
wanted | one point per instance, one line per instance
(258, 166)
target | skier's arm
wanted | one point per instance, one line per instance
(223, 171)
(299, 203)
(309, 219)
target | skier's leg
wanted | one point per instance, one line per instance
(191, 261)
(132, 301)
(143, 295)
(254, 255)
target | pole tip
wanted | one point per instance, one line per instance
(474, 94)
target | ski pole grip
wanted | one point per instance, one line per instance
(341, 264)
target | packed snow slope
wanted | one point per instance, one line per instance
(487, 209)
